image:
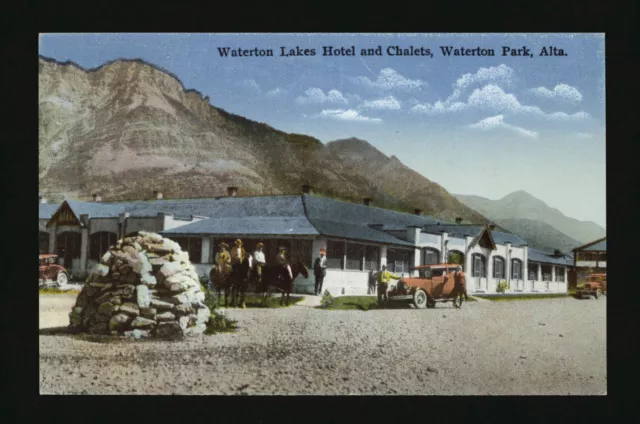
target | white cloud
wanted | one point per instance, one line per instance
(501, 74)
(251, 84)
(276, 92)
(560, 91)
(388, 102)
(317, 96)
(346, 115)
(498, 122)
(491, 97)
(389, 79)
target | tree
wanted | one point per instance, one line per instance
(455, 258)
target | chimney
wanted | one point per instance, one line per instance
(157, 194)
(417, 211)
(232, 191)
(367, 201)
(307, 189)
(97, 198)
(458, 220)
(42, 199)
(492, 226)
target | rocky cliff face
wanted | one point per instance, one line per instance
(127, 128)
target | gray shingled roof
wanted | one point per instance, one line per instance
(454, 230)
(248, 225)
(339, 211)
(94, 210)
(47, 210)
(255, 206)
(502, 238)
(348, 230)
(600, 246)
(539, 256)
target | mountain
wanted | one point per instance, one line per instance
(539, 235)
(127, 128)
(521, 205)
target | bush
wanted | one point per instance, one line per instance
(502, 286)
(327, 300)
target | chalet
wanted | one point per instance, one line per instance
(590, 258)
(358, 238)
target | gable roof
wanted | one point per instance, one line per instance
(94, 209)
(599, 245)
(502, 238)
(46, 210)
(247, 225)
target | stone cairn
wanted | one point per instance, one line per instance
(143, 286)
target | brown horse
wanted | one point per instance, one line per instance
(221, 281)
(276, 276)
(459, 289)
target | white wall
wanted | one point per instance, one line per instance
(134, 224)
(456, 244)
(430, 240)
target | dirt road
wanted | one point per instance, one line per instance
(546, 347)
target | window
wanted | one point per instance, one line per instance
(99, 243)
(437, 272)
(430, 256)
(372, 258)
(533, 272)
(397, 261)
(355, 252)
(192, 245)
(546, 272)
(498, 267)
(478, 264)
(516, 269)
(335, 254)
(560, 274)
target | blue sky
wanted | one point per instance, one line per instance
(476, 125)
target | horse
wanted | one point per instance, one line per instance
(239, 278)
(459, 289)
(221, 281)
(275, 276)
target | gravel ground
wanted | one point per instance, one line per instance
(528, 347)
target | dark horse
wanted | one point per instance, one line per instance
(276, 276)
(232, 282)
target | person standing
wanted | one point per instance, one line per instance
(258, 261)
(384, 277)
(320, 271)
(223, 260)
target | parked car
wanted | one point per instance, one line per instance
(595, 286)
(435, 283)
(51, 273)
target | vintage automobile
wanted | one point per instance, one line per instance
(52, 274)
(435, 283)
(595, 286)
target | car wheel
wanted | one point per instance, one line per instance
(420, 299)
(598, 293)
(62, 278)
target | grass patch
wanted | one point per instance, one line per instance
(524, 297)
(219, 323)
(347, 303)
(53, 290)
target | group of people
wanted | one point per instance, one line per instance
(232, 261)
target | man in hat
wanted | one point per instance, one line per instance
(281, 259)
(238, 253)
(320, 270)
(258, 261)
(384, 277)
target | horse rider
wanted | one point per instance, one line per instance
(384, 277)
(223, 259)
(238, 256)
(282, 260)
(320, 270)
(258, 261)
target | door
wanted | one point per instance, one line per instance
(68, 248)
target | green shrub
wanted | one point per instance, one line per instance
(327, 300)
(219, 323)
(502, 286)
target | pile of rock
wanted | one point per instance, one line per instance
(143, 286)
